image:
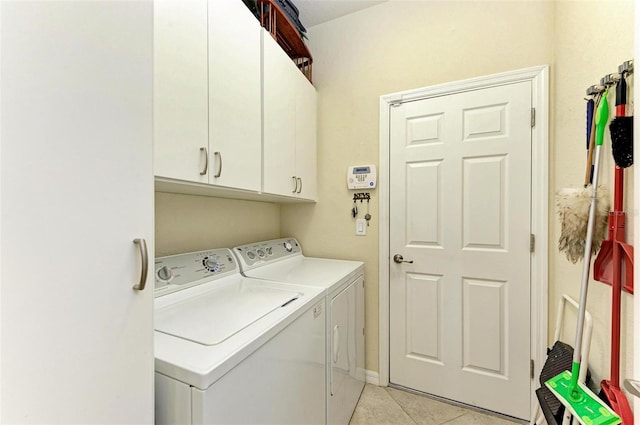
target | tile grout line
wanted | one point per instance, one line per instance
(386, 389)
(452, 419)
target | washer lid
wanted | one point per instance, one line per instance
(212, 317)
(311, 271)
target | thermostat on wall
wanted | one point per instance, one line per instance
(361, 177)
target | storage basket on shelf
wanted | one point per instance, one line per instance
(279, 17)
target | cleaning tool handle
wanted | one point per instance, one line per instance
(586, 265)
(590, 110)
(591, 142)
(621, 97)
(602, 115)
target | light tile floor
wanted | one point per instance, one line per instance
(389, 406)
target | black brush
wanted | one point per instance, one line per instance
(621, 129)
(622, 141)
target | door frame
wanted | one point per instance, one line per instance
(539, 78)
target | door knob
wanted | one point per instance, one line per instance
(398, 259)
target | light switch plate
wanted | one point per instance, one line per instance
(361, 227)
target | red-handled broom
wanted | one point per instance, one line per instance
(615, 252)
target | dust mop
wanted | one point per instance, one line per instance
(583, 404)
(572, 205)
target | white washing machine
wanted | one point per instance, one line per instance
(234, 350)
(282, 260)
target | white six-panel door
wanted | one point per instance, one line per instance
(459, 206)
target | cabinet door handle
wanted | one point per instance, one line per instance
(336, 350)
(206, 161)
(300, 187)
(144, 257)
(336, 343)
(219, 156)
(295, 184)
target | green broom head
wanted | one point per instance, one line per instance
(583, 404)
(622, 141)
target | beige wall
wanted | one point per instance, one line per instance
(398, 45)
(187, 223)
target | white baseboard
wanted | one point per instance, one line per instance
(372, 377)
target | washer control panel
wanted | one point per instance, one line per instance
(260, 253)
(176, 272)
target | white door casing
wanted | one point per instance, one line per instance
(453, 216)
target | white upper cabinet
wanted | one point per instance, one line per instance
(213, 86)
(207, 93)
(289, 139)
(279, 74)
(181, 100)
(306, 157)
(235, 155)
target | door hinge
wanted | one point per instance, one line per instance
(532, 242)
(396, 104)
(533, 117)
(531, 368)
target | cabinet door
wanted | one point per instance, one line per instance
(306, 156)
(279, 99)
(76, 189)
(180, 89)
(235, 141)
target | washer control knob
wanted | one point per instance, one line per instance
(288, 247)
(164, 274)
(211, 264)
(269, 250)
(251, 255)
(261, 253)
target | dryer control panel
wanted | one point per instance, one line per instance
(260, 253)
(176, 272)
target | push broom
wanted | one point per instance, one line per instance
(583, 404)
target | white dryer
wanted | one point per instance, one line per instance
(234, 350)
(281, 260)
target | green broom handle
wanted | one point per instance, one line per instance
(602, 115)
